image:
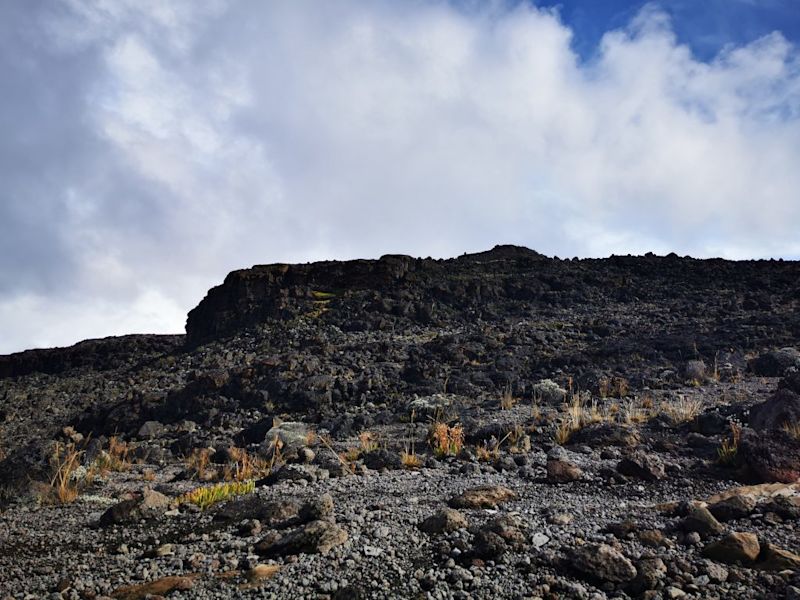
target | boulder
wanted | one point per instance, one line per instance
(601, 561)
(701, 521)
(606, 434)
(736, 547)
(156, 588)
(486, 496)
(773, 457)
(642, 466)
(149, 505)
(775, 559)
(775, 362)
(316, 537)
(293, 435)
(562, 471)
(782, 408)
(735, 507)
(444, 521)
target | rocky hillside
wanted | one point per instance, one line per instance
(582, 392)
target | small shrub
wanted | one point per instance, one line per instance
(204, 497)
(549, 392)
(445, 439)
(729, 448)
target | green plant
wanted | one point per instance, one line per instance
(205, 497)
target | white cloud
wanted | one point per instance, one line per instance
(204, 139)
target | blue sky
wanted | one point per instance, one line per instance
(151, 147)
(705, 25)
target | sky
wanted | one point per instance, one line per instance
(149, 147)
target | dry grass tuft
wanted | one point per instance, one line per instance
(728, 450)
(114, 458)
(793, 429)
(368, 441)
(487, 452)
(683, 409)
(64, 462)
(507, 400)
(349, 466)
(245, 466)
(198, 463)
(410, 460)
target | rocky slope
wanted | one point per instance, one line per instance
(607, 401)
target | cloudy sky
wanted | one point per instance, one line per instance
(150, 146)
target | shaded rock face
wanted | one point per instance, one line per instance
(775, 362)
(774, 456)
(783, 408)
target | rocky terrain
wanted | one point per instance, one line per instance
(499, 425)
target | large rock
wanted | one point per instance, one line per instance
(486, 496)
(316, 537)
(601, 561)
(736, 547)
(782, 408)
(601, 435)
(775, 559)
(562, 471)
(444, 521)
(156, 588)
(700, 520)
(772, 456)
(292, 435)
(642, 466)
(149, 505)
(776, 362)
(735, 507)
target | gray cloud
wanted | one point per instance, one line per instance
(151, 147)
